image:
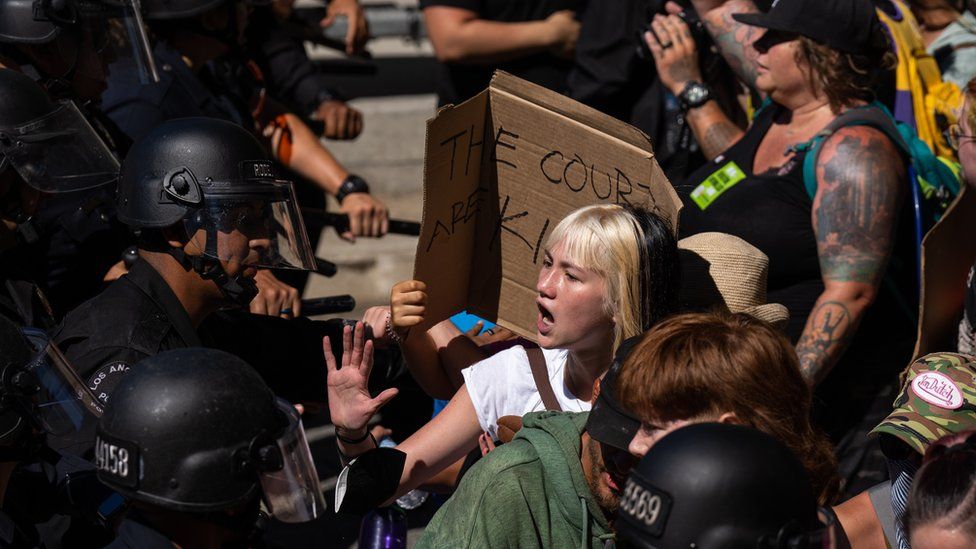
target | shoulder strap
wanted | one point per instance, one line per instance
(540, 373)
(880, 495)
(874, 115)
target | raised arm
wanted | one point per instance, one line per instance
(860, 181)
(459, 36)
(676, 58)
(435, 357)
(734, 39)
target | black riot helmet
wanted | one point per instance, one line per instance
(40, 393)
(33, 22)
(214, 181)
(50, 144)
(196, 430)
(719, 486)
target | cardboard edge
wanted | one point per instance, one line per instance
(565, 106)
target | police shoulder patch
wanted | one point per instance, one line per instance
(103, 380)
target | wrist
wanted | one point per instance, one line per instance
(352, 436)
(693, 94)
(350, 185)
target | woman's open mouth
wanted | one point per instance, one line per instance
(545, 321)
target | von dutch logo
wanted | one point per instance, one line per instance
(937, 390)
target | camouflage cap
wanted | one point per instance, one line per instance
(937, 398)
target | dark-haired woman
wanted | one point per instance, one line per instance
(829, 241)
(942, 504)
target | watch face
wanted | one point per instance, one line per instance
(695, 94)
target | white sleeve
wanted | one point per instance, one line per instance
(489, 384)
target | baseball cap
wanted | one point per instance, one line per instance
(609, 423)
(850, 26)
(937, 398)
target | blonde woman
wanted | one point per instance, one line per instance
(608, 273)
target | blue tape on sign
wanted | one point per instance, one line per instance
(464, 321)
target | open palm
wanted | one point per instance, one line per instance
(350, 403)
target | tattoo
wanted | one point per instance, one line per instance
(684, 71)
(734, 39)
(860, 182)
(718, 137)
(828, 330)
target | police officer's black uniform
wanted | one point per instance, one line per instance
(137, 316)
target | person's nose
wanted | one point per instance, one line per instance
(638, 446)
(546, 284)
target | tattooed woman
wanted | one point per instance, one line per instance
(830, 241)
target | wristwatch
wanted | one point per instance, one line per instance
(693, 96)
(351, 184)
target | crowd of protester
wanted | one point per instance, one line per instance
(746, 377)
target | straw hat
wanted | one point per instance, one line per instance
(724, 271)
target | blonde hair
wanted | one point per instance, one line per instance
(607, 240)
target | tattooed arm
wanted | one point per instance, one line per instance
(677, 65)
(734, 39)
(860, 177)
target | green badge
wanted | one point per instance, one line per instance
(722, 180)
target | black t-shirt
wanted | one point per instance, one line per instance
(459, 82)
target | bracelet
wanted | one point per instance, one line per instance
(352, 441)
(344, 459)
(390, 332)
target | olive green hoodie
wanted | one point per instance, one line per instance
(530, 492)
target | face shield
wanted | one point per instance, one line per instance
(62, 402)
(58, 152)
(288, 478)
(250, 224)
(127, 35)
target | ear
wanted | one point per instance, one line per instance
(730, 418)
(596, 388)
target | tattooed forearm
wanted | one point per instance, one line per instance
(734, 39)
(827, 333)
(859, 192)
(713, 129)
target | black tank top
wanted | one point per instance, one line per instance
(770, 210)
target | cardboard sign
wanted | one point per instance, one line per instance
(948, 252)
(501, 170)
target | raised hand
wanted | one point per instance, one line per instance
(408, 305)
(350, 403)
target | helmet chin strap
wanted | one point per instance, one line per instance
(238, 289)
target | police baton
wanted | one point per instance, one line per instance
(341, 222)
(328, 305)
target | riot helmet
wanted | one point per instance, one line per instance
(50, 144)
(214, 181)
(40, 393)
(197, 430)
(33, 22)
(719, 486)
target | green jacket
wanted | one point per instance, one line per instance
(528, 493)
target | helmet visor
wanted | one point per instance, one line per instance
(291, 486)
(128, 39)
(59, 152)
(63, 402)
(250, 225)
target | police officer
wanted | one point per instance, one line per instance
(205, 72)
(197, 440)
(64, 45)
(210, 210)
(47, 150)
(720, 486)
(40, 396)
